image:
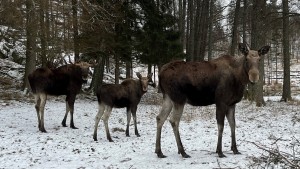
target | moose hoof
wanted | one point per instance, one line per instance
(73, 127)
(236, 152)
(138, 135)
(184, 155)
(43, 130)
(221, 155)
(160, 155)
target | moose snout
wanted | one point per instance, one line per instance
(253, 76)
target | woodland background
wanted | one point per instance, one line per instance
(118, 34)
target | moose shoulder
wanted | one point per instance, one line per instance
(220, 81)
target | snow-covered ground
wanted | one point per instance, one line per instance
(23, 146)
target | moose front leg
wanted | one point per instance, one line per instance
(231, 120)
(128, 121)
(220, 113)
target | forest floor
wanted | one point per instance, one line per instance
(267, 137)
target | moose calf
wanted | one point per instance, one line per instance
(127, 94)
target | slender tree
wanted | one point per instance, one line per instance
(42, 34)
(75, 29)
(258, 39)
(234, 39)
(210, 29)
(286, 93)
(31, 41)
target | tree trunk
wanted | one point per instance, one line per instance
(234, 38)
(258, 40)
(43, 33)
(128, 69)
(203, 30)
(210, 30)
(97, 79)
(117, 69)
(30, 43)
(75, 29)
(286, 93)
(191, 31)
(244, 22)
(182, 22)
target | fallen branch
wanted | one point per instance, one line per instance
(276, 156)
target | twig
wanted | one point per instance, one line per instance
(281, 155)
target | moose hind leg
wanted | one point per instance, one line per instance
(174, 120)
(63, 123)
(231, 120)
(37, 101)
(43, 98)
(97, 119)
(105, 119)
(128, 121)
(71, 102)
(133, 109)
(160, 120)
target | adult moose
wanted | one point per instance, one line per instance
(127, 94)
(220, 81)
(64, 80)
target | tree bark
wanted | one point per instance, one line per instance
(117, 69)
(43, 33)
(258, 40)
(210, 30)
(30, 43)
(191, 31)
(234, 38)
(286, 93)
(75, 29)
(97, 79)
(244, 22)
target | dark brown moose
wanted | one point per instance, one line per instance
(64, 80)
(220, 82)
(127, 94)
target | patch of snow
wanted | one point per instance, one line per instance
(23, 146)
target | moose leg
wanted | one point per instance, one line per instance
(160, 119)
(71, 102)
(43, 98)
(105, 119)
(220, 113)
(128, 121)
(133, 110)
(174, 120)
(37, 101)
(63, 123)
(97, 119)
(231, 119)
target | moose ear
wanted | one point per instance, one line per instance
(263, 50)
(243, 48)
(138, 74)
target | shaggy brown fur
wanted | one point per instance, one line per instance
(220, 81)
